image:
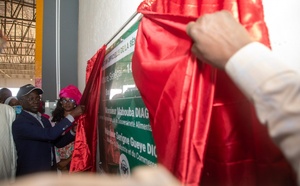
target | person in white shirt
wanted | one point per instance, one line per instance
(272, 85)
(8, 155)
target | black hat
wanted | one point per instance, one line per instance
(26, 89)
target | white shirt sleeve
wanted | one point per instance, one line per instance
(274, 88)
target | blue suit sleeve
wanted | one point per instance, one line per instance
(32, 129)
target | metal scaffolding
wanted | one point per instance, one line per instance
(18, 23)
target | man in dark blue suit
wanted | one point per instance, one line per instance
(34, 135)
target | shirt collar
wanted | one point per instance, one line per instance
(36, 115)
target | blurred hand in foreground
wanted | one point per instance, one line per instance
(142, 176)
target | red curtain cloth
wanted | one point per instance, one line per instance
(89, 67)
(85, 148)
(205, 130)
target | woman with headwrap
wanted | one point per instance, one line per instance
(69, 98)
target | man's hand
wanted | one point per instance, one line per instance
(77, 111)
(142, 176)
(74, 128)
(217, 37)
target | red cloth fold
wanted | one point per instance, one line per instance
(89, 67)
(205, 130)
(85, 147)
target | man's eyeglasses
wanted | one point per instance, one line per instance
(32, 99)
(64, 101)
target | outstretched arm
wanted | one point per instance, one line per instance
(272, 85)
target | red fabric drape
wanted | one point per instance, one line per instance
(85, 148)
(205, 130)
(89, 67)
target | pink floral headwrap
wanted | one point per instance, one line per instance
(72, 92)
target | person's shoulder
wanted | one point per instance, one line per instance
(19, 117)
(22, 116)
(6, 107)
(7, 112)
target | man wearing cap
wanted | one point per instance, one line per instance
(34, 136)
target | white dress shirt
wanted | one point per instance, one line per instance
(274, 88)
(8, 155)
